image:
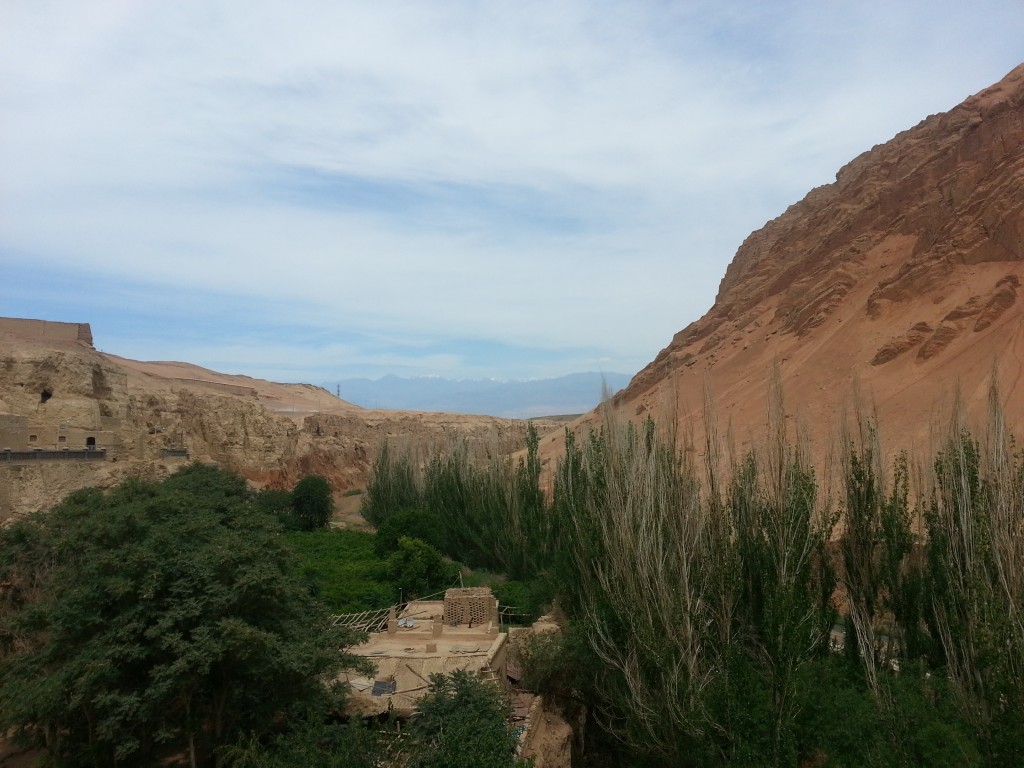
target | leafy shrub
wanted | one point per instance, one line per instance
(531, 598)
(930, 728)
(278, 504)
(413, 523)
(463, 721)
(312, 744)
(343, 570)
(838, 720)
(545, 661)
(418, 569)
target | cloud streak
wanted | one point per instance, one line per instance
(445, 181)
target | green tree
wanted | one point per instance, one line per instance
(414, 523)
(462, 721)
(974, 555)
(394, 485)
(156, 620)
(312, 502)
(279, 504)
(314, 744)
(416, 568)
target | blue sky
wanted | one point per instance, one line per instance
(312, 190)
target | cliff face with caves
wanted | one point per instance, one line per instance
(273, 434)
(895, 287)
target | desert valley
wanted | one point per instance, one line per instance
(709, 546)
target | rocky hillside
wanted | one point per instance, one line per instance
(146, 414)
(901, 281)
(897, 285)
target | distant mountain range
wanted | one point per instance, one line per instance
(572, 394)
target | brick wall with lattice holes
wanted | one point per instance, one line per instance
(473, 605)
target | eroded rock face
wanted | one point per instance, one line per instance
(57, 394)
(902, 276)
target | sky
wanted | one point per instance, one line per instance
(318, 189)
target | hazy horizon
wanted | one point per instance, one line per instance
(574, 393)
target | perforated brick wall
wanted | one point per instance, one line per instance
(473, 606)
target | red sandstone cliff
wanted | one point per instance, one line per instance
(903, 277)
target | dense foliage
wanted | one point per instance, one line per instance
(462, 721)
(392, 487)
(728, 613)
(412, 523)
(312, 502)
(484, 512)
(154, 620)
(700, 599)
(342, 568)
(707, 604)
(418, 569)
(315, 744)
(351, 572)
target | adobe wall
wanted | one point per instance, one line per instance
(18, 433)
(47, 329)
(13, 432)
(217, 386)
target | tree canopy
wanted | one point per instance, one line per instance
(462, 721)
(156, 619)
(312, 502)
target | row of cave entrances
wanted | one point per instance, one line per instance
(90, 442)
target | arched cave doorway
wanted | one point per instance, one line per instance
(90, 443)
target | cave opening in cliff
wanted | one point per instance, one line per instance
(90, 443)
(45, 395)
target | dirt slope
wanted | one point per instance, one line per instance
(902, 280)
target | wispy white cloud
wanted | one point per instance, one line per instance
(561, 177)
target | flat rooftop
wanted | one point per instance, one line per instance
(419, 644)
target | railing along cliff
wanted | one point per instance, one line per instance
(17, 457)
